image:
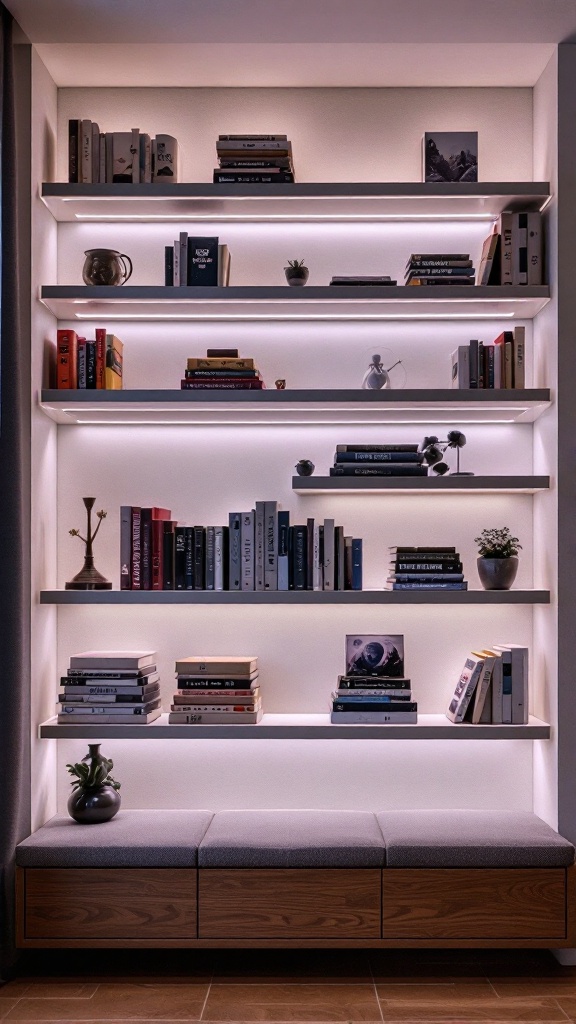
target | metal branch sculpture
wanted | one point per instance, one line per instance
(89, 578)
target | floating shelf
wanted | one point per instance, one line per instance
(310, 202)
(420, 485)
(305, 406)
(300, 727)
(158, 302)
(293, 597)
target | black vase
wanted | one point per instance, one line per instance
(497, 573)
(95, 805)
(296, 275)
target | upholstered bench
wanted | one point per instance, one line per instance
(297, 878)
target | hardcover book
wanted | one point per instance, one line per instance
(202, 261)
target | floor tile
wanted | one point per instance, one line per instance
(303, 1002)
(6, 1005)
(568, 1005)
(58, 988)
(462, 1003)
(292, 966)
(122, 1001)
(551, 985)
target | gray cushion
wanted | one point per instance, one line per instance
(461, 839)
(286, 839)
(133, 839)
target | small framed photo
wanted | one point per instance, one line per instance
(375, 655)
(450, 156)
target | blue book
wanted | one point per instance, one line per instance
(356, 563)
(283, 552)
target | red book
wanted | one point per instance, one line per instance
(67, 359)
(100, 357)
(148, 516)
(157, 554)
(226, 384)
(136, 549)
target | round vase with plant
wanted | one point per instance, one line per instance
(497, 558)
(95, 797)
(296, 272)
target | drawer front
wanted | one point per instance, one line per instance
(289, 903)
(479, 903)
(117, 903)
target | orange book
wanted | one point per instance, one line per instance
(66, 359)
(100, 357)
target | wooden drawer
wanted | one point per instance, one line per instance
(289, 903)
(474, 903)
(110, 903)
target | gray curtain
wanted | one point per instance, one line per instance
(14, 484)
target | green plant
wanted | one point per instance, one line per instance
(296, 264)
(87, 776)
(497, 543)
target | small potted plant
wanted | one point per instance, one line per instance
(95, 797)
(296, 272)
(497, 558)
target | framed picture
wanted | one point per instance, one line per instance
(451, 156)
(375, 655)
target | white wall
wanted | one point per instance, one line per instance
(202, 473)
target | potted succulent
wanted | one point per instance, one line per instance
(95, 797)
(497, 558)
(296, 272)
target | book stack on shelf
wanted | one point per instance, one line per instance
(196, 261)
(354, 280)
(425, 568)
(96, 157)
(110, 688)
(493, 687)
(498, 365)
(258, 550)
(83, 363)
(254, 160)
(512, 253)
(216, 691)
(432, 268)
(221, 370)
(378, 460)
(374, 690)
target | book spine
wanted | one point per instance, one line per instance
(165, 165)
(376, 448)
(176, 263)
(220, 558)
(259, 545)
(86, 153)
(109, 157)
(519, 686)
(473, 359)
(199, 562)
(496, 692)
(480, 372)
(157, 554)
(81, 364)
(519, 248)
(310, 554)
(318, 568)
(489, 373)
(219, 363)
(100, 334)
(221, 385)
(329, 554)
(388, 704)
(379, 469)
(74, 131)
(271, 545)
(461, 367)
(247, 541)
(189, 559)
(179, 558)
(338, 558)
(283, 563)
(259, 178)
(210, 558)
(67, 359)
(299, 564)
(394, 457)
(136, 549)
(168, 582)
(374, 718)
(91, 365)
(135, 154)
(146, 548)
(506, 688)
(169, 265)
(509, 364)
(519, 346)
(125, 547)
(505, 226)
(534, 253)
(235, 550)
(429, 586)
(202, 262)
(183, 257)
(95, 153)
(356, 563)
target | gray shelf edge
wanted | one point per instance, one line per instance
(305, 597)
(362, 190)
(441, 395)
(309, 294)
(439, 485)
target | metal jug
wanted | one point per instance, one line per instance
(106, 267)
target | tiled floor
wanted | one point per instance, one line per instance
(488, 986)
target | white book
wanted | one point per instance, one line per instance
(461, 367)
(318, 574)
(374, 718)
(112, 719)
(534, 245)
(519, 248)
(223, 266)
(176, 277)
(215, 718)
(113, 659)
(465, 687)
(496, 690)
(259, 546)
(506, 661)
(109, 157)
(122, 157)
(328, 561)
(519, 356)
(165, 166)
(505, 229)
(135, 151)
(86, 152)
(145, 158)
(519, 657)
(483, 685)
(218, 558)
(271, 545)
(102, 164)
(247, 550)
(498, 382)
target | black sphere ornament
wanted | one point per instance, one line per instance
(432, 451)
(305, 467)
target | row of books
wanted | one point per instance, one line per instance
(96, 157)
(216, 691)
(493, 687)
(499, 365)
(110, 687)
(258, 550)
(254, 160)
(378, 460)
(433, 268)
(513, 252)
(85, 363)
(425, 568)
(196, 261)
(221, 369)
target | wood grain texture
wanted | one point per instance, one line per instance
(475, 903)
(571, 905)
(110, 903)
(289, 903)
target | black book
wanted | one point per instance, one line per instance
(419, 550)
(372, 683)
(284, 162)
(140, 695)
(367, 705)
(189, 566)
(221, 374)
(394, 457)
(449, 257)
(363, 282)
(222, 353)
(125, 693)
(299, 556)
(253, 138)
(379, 469)
(168, 265)
(203, 261)
(146, 549)
(376, 448)
(199, 548)
(85, 677)
(309, 554)
(234, 551)
(437, 567)
(74, 131)
(339, 559)
(91, 364)
(210, 560)
(255, 178)
(185, 683)
(168, 556)
(360, 279)
(425, 577)
(180, 558)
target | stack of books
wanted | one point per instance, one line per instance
(216, 691)
(198, 261)
(254, 160)
(111, 688)
(221, 370)
(360, 279)
(493, 687)
(84, 363)
(96, 157)
(425, 568)
(431, 268)
(374, 690)
(378, 460)
(498, 365)
(512, 253)
(256, 550)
